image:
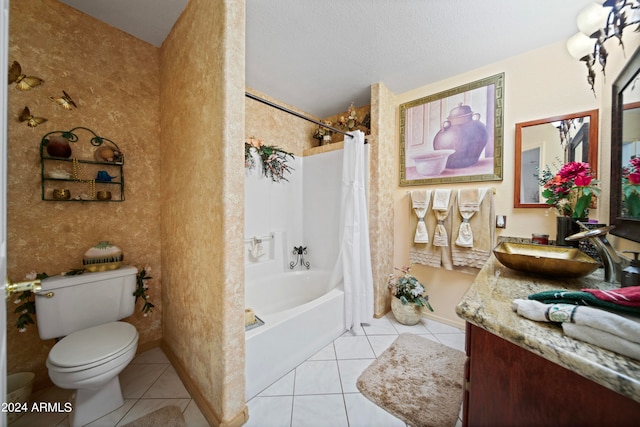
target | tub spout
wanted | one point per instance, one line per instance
(299, 252)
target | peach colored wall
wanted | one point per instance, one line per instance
(545, 82)
(381, 175)
(113, 78)
(202, 79)
(275, 127)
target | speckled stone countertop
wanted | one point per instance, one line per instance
(487, 305)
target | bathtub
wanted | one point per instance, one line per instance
(302, 314)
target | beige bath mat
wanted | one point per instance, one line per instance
(167, 416)
(417, 380)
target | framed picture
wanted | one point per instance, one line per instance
(453, 136)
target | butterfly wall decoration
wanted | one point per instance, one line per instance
(31, 120)
(64, 101)
(22, 81)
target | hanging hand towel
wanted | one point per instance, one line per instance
(441, 210)
(428, 253)
(482, 231)
(468, 204)
(255, 248)
(420, 202)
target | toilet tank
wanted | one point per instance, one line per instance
(70, 303)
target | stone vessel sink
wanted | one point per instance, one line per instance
(545, 260)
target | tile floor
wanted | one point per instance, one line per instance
(148, 383)
(321, 392)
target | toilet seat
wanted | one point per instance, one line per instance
(92, 347)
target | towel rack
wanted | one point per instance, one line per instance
(492, 188)
(259, 239)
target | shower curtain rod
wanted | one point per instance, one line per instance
(286, 110)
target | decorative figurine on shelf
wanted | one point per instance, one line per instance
(103, 176)
(108, 154)
(323, 134)
(351, 121)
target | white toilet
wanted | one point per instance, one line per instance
(84, 311)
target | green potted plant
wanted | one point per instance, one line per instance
(408, 298)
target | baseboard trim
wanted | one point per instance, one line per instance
(148, 346)
(212, 417)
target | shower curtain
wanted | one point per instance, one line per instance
(353, 265)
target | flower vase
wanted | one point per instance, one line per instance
(58, 146)
(565, 227)
(632, 203)
(407, 314)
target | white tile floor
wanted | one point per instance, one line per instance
(320, 392)
(148, 383)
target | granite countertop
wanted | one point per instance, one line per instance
(487, 304)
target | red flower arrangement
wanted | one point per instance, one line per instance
(569, 191)
(631, 188)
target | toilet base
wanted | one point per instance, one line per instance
(91, 404)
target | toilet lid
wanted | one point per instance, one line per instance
(93, 344)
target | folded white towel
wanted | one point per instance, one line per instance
(602, 339)
(420, 202)
(441, 199)
(623, 326)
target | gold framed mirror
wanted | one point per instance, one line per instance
(553, 141)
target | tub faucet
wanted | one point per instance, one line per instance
(612, 262)
(299, 252)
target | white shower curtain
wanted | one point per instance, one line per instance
(353, 265)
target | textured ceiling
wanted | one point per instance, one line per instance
(321, 55)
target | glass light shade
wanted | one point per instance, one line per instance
(592, 18)
(580, 45)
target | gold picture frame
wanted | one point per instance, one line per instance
(454, 136)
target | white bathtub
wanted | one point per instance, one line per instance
(302, 314)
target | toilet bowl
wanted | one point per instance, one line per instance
(89, 362)
(85, 310)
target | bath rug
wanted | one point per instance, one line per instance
(417, 380)
(167, 416)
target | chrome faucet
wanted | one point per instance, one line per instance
(610, 259)
(300, 252)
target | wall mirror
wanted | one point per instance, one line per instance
(624, 203)
(553, 141)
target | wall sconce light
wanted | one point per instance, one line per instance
(598, 22)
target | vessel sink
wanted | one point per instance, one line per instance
(545, 260)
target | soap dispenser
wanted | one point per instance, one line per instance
(631, 274)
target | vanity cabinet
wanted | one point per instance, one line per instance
(508, 385)
(520, 372)
(87, 174)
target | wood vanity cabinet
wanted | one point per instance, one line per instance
(508, 385)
